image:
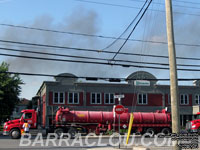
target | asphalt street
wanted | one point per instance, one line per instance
(81, 143)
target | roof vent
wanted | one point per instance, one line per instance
(66, 78)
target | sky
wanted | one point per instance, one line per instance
(101, 18)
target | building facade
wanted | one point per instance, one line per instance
(141, 95)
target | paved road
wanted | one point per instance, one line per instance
(81, 143)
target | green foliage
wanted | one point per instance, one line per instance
(9, 91)
(109, 132)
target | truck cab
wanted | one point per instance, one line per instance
(13, 127)
(194, 125)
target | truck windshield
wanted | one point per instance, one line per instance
(21, 115)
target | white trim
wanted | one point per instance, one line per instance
(58, 97)
(196, 99)
(73, 97)
(109, 95)
(184, 99)
(142, 99)
(95, 98)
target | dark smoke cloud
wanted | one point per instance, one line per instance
(88, 22)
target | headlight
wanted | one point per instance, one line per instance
(6, 127)
(4, 124)
(193, 126)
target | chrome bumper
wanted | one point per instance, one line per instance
(5, 132)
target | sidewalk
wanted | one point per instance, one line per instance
(136, 148)
(131, 148)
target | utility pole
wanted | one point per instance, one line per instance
(120, 111)
(173, 72)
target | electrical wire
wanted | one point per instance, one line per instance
(132, 30)
(92, 58)
(81, 61)
(131, 7)
(91, 78)
(174, 5)
(186, 2)
(99, 63)
(97, 36)
(127, 27)
(92, 50)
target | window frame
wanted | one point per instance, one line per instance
(198, 99)
(109, 95)
(184, 99)
(142, 99)
(27, 114)
(78, 94)
(95, 98)
(59, 98)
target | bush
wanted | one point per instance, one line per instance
(1, 128)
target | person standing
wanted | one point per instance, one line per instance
(26, 127)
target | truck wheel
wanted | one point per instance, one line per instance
(59, 132)
(15, 134)
(166, 131)
(150, 132)
(198, 131)
(72, 132)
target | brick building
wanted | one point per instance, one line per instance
(140, 95)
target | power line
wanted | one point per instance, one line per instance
(81, 61)
(92, 78)
(109, 4)
(98, 36)
(127, 27)
(92, 62)
(186, 2)
(173, 4)
(132, 30)
(93, 50)
(93, 58)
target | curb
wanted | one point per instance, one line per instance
(140, 148)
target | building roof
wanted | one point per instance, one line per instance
(23, 102)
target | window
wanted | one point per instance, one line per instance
(109, 98)
(28, 116)
(184, 99)
(142, 99)
(96, 98)
(169, 99)
(58, 98)
(197, 99)
(73, 98)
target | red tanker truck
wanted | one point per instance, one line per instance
(70, 121)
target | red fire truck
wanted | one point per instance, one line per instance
(70, 121)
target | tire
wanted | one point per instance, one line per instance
(15, 134)
(198, 131)
(59, 132)
(150, 132)
(72, 131)
(166, 131)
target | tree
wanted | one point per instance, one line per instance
(9, 91)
